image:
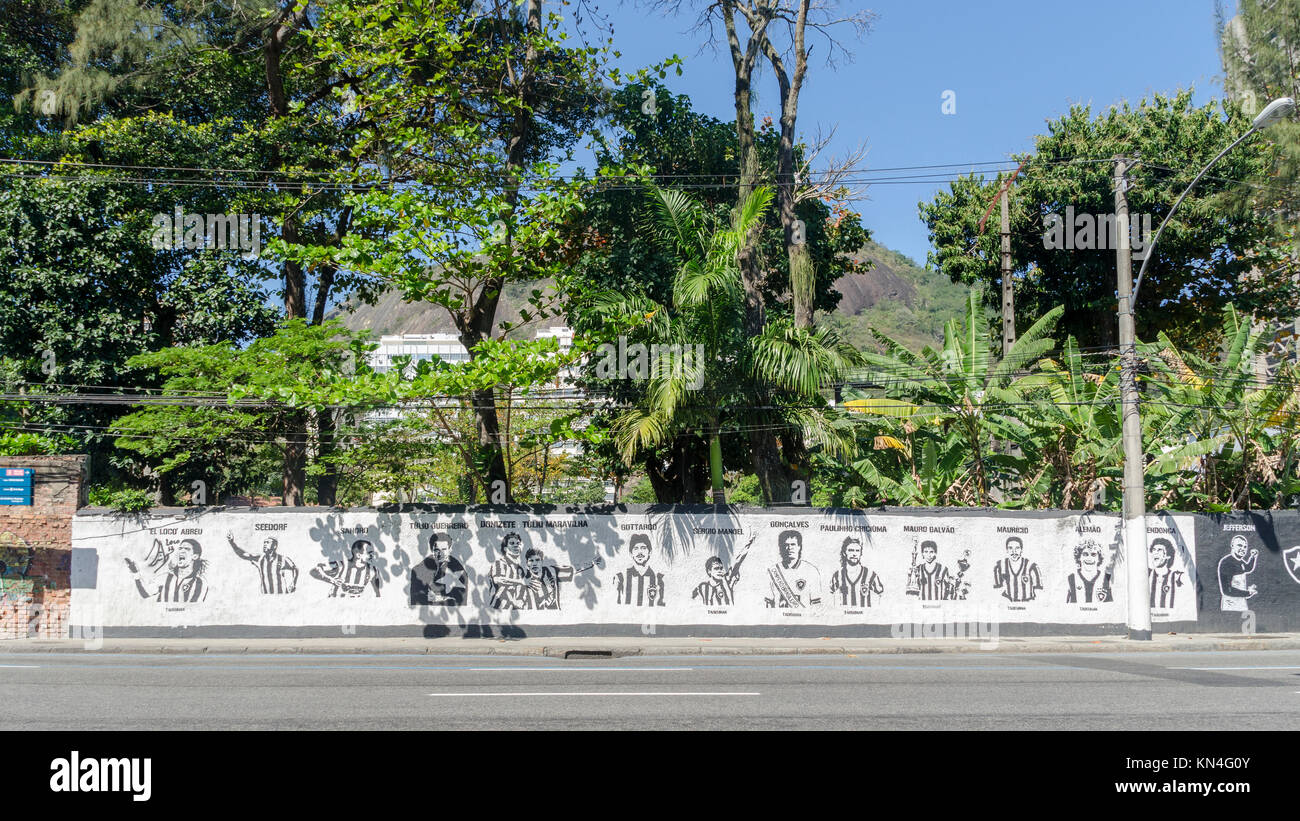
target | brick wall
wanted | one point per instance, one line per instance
(35, 546)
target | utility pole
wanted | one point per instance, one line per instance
(1135, 525)
(1008, 292)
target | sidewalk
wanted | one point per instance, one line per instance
(588, 647)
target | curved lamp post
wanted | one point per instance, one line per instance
(1273, 112)
(1139, 606)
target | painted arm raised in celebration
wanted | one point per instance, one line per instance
(139, 584)
(243, 554)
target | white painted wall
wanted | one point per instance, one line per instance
(104, 591)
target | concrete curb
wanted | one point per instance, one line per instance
(597, 648)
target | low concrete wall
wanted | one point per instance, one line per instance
(631, 570)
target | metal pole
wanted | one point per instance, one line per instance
(1135, 526)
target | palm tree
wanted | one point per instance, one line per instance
(788, 365)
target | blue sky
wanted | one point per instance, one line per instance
(1013, 65)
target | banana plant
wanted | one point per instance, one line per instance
(1075, 418)
(1224, 435)
(945, 413)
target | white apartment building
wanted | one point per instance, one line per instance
(448, 347)
(420, 347)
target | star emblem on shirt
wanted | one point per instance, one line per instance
(450, 580)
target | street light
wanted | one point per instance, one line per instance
(1139, 606)
(1272, 113)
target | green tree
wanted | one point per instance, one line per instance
(1077, 424)
(223, 410)
(1261, 64)
(704, 370)
(473, 106)
(749, 28)
(83, 293)
(220, 108)
(33, 33)
(1202, 257)
(673, 142)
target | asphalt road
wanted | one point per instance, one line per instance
(968, 691)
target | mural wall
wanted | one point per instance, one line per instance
(312, 571)
(1249, 572)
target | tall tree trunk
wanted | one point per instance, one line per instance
(743, 60)
(692, 486)
(715, 465)
(294, 473)
(763, 445)
(803, 283)
(327, 486)
(773, 477)
(325, 284)
(667, 491)
(477, 321)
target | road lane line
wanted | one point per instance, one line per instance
(571, 693)
(1297, 667)
(563, 669)
(19, 665)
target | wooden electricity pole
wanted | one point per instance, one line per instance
(1008, 291)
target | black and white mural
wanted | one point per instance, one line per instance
(1235, 587)
(455, 566)
(1247, 579)
(351, 576)
(440, 579)
(795, 582)
(1016, 577)
(719, 587)
(276, 572)
(173, 571)
(854, 584)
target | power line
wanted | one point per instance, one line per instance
(538, 182)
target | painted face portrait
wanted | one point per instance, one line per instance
(360, 554)
(929, 554)
(441, 550)
(853, 553)
(640, 553)
(716, 570)
(790, 550)
(1015, 549)
(1090, 557)
(1239, 547)
(513, 545)
(269, 545)
(1159, 555)
(535, 564)
(184, 556)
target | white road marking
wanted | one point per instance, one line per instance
(19, 665)
(1236, 668)
(567, 669)
(571, 693)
